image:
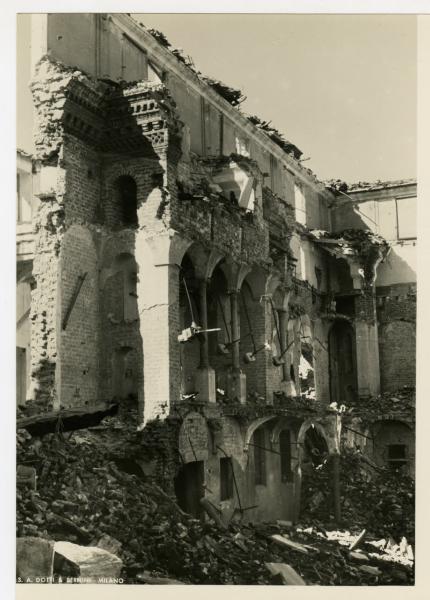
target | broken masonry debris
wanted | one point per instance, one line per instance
(285, 573)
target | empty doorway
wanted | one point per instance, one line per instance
(189, 488)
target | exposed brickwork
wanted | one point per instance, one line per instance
(80, 335)
(105, 339)
(396, 309)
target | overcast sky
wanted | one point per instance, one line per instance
(342, 88)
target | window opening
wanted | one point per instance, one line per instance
(128, 200)
(396, 456)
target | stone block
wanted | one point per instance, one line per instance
(236, 385)
(205, 384)
(90, 562)
(34, 559)
(26, 477)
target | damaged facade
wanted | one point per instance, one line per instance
(180, 254)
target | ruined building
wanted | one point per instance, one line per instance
(174, 250)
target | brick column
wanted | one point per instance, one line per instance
(366, 344)
(158, 258)
(205, 375)
(235, 332)
(204, 352)
(236, 380)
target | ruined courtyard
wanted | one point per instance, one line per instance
(215, 349)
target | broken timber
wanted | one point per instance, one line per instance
(81, 279)
(71, 419)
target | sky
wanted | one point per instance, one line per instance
(340, 87)
(343, 88)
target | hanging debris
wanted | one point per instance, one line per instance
(233, 95)
(276, 136)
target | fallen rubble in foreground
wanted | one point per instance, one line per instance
(87, 494)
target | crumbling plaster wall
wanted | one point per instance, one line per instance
(274, 499)
(44, 313)
(89, 197)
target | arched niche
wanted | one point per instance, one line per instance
(321, 434)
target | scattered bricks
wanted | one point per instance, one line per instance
(26, 477)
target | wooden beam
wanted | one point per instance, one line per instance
(81, 279)
(80, 417)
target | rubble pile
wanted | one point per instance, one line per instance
(87, 493)
(399, 404)
(382, 502)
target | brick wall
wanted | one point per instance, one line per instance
(396, 310)
(82, 181)
(79, 350)
(44, 304)
(173, 193)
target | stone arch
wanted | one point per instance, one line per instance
(256, 278)
(300, 469)
(213, 261)
(199, 257)
(122, 197)
(281, 423)
(289, 455)
(150, 193)
(252, 427)
(302, 433)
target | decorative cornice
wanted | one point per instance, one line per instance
(165, 59)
